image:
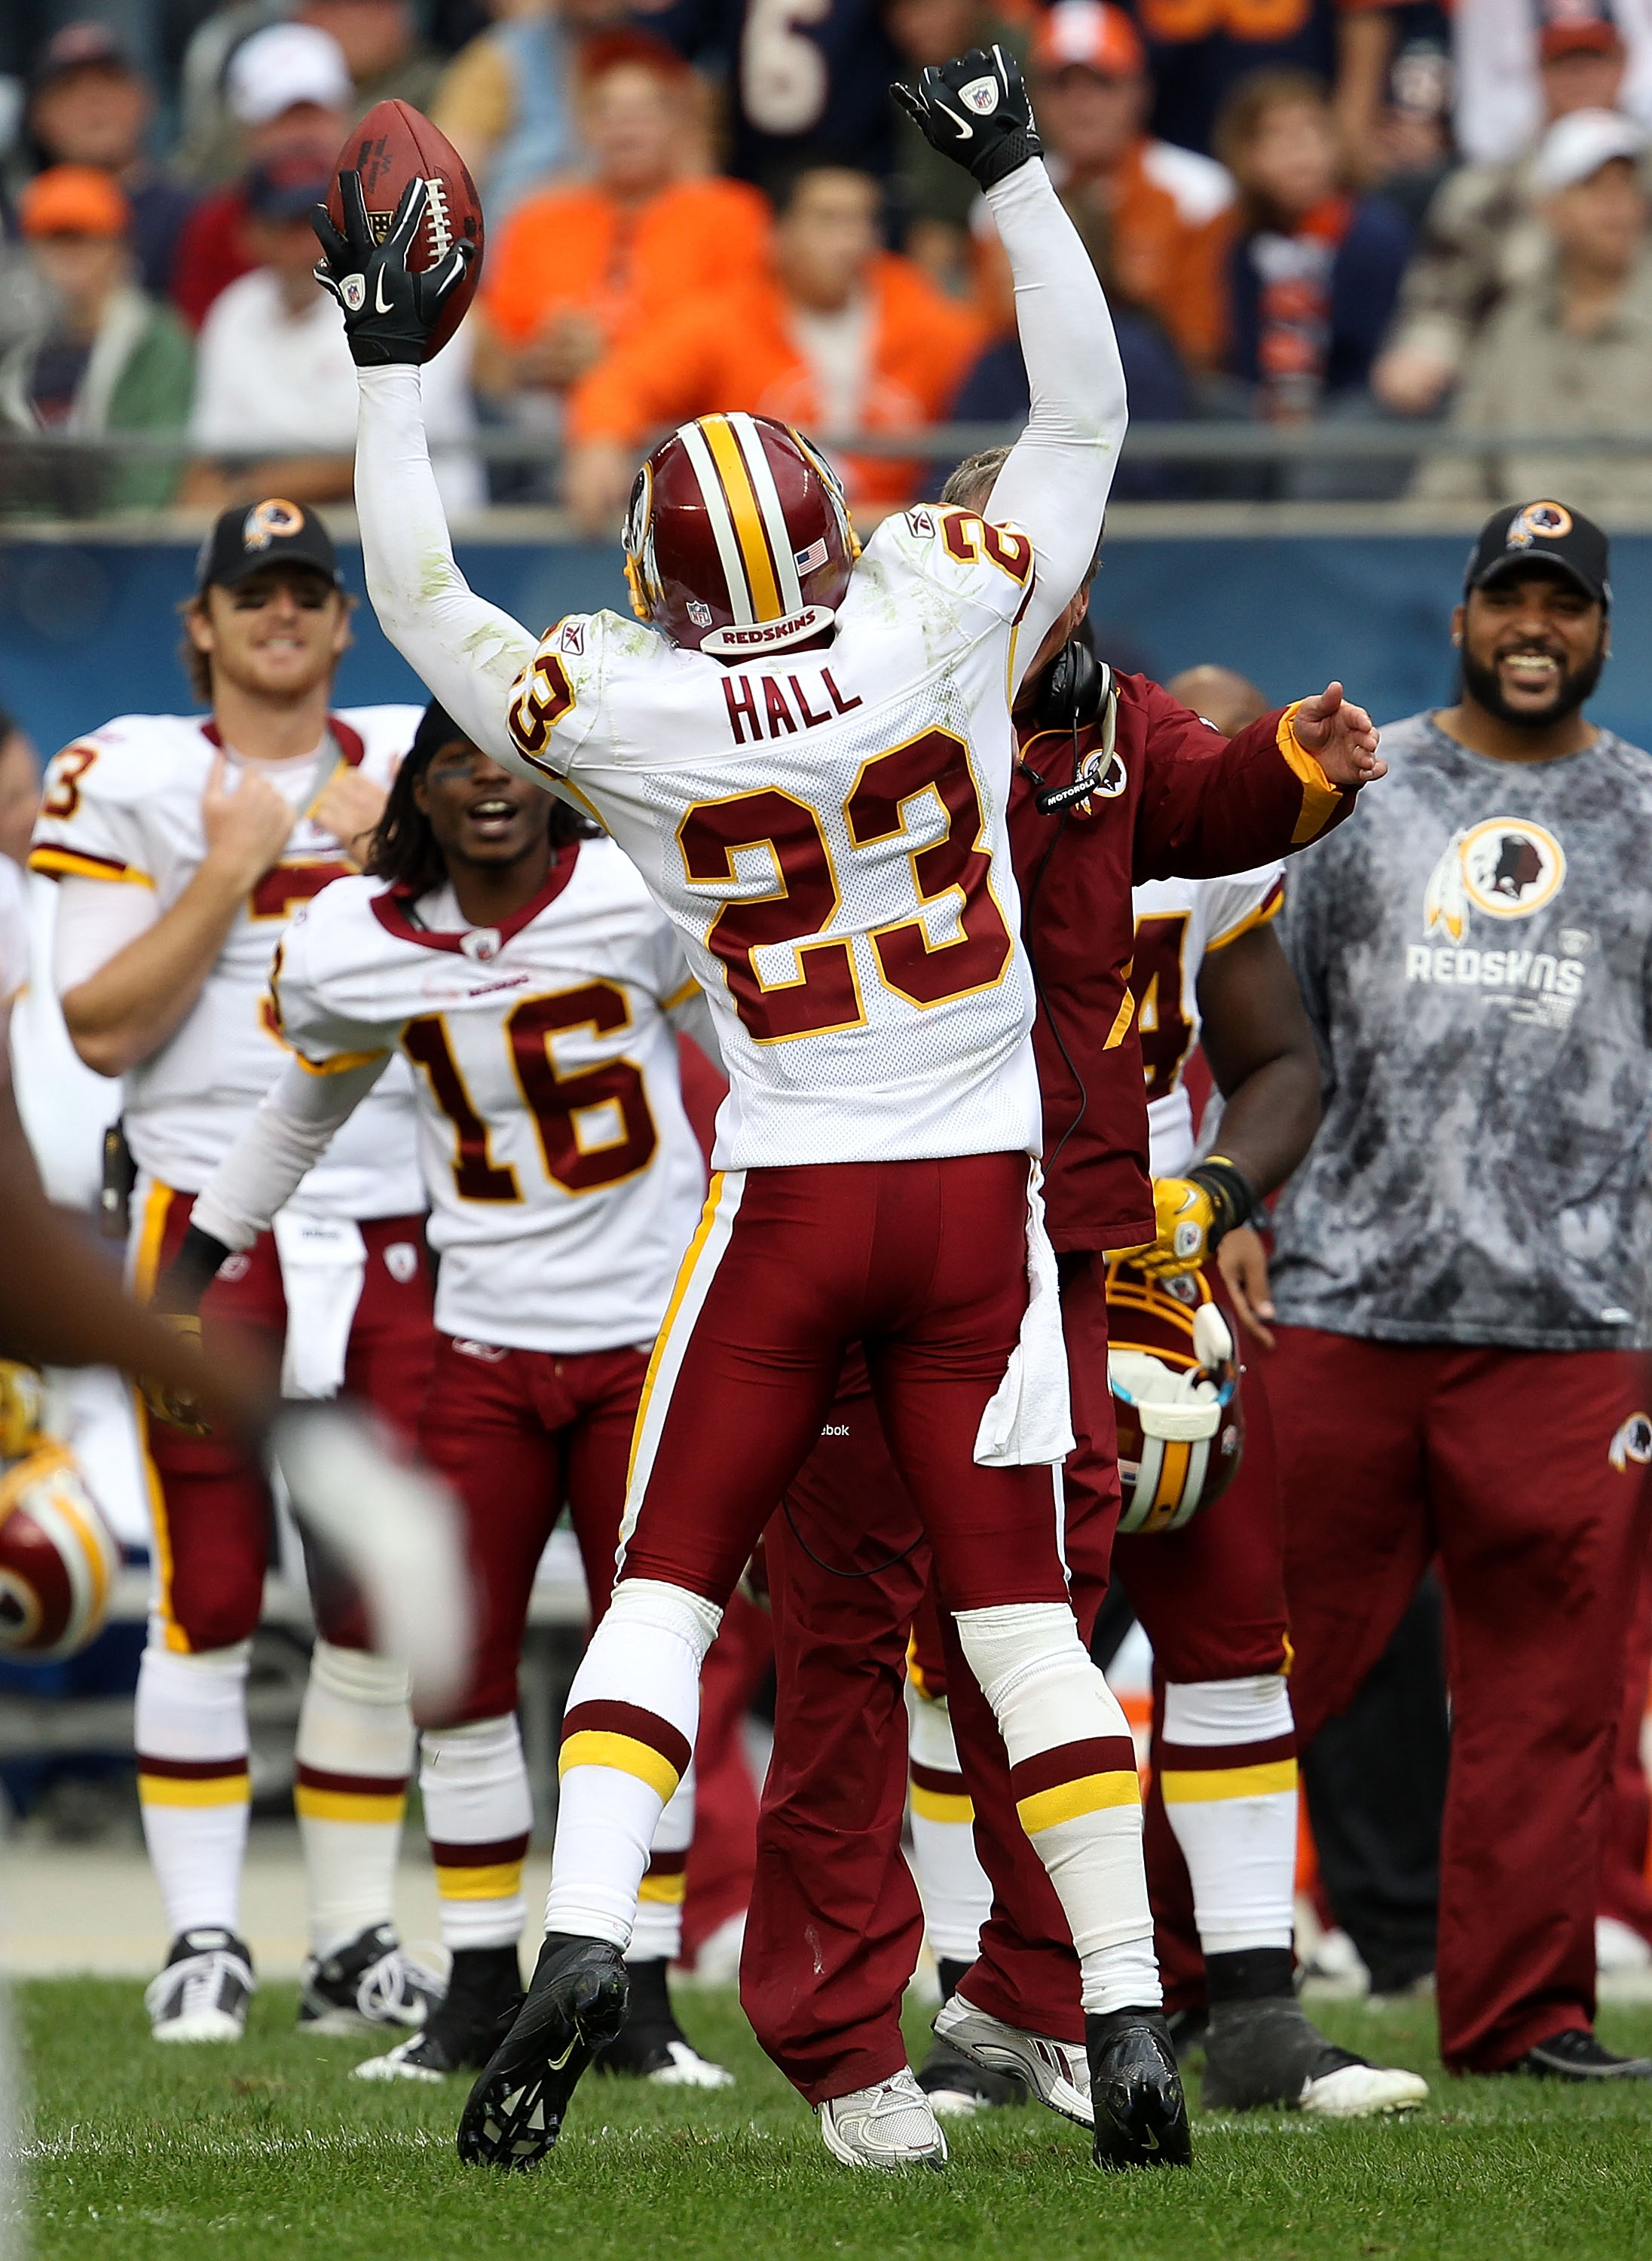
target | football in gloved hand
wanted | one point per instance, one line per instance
(395, 144)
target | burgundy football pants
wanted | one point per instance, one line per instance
(925, 1263)
(1510, 1467)
(517, 1433)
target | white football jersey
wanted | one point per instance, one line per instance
(564, 1180)
(1177, 922)
(124, 805)
(826, 830)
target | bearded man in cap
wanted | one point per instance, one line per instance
(181, 845)
(1462, 1367)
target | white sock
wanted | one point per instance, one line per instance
(952, 1883)
(1072, 1771)
(1227, 1771)
(478, 1817)
(656, 1936)
(628, 1738)
(354, 1753)
(192, 1779)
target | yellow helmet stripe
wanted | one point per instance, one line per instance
(747, 518)
(734, 572)
(768, 495)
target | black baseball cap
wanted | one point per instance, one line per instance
(1549, 533)
(275, 532)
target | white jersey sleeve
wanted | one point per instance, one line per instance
(1057, 476)
(91, 822)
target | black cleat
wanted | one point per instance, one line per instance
(652, 2045)
(576, 2004)
(1266, 2054)
(1576, 2055)
(371, 1986)
(485, 1993)
(1141, 2115)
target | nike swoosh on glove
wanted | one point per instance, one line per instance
(1194, 1214)
(975, 110)
(389, 311)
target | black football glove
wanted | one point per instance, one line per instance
(975, 110)
(389, 312)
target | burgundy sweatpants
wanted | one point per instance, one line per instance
(1510, 1467)
(834, 1929)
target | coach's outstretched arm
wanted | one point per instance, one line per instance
(468, 652)
(1056, 481)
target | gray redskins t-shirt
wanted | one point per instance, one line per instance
(1474, 951)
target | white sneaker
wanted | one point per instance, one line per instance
(887, 2126)
(1360, 2092)
(687, 2069)
(1335, 1969)
(1057, 2073)
(202, 1994)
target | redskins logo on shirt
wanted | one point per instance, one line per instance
(1506, 867)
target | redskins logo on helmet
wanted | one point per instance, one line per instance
(738, 541)
(1172, 1370)
(58, 1558)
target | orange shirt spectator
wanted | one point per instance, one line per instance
(1165, 210)
(835, 335)
(622, 264)
(578, 269)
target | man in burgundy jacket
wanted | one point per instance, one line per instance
(835, 1925)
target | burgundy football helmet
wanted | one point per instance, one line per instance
(1174, 1375)
(738, 540)
(58, 1558)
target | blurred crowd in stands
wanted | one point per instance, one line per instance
(1353, 212)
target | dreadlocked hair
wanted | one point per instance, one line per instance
(404, 848)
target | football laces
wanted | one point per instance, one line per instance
(437, 220)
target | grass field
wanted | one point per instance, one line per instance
(266, 2151)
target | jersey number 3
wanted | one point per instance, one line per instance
(823, 993)
(594, 1123)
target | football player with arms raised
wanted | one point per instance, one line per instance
(181, 845)
(512, 957)
(808, 755)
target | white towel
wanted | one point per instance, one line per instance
(1029, 1418)
(323, 1264)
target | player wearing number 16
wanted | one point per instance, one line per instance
(806, 752)
(517, 963)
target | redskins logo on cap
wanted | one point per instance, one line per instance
(275, 521)
(1538, 521)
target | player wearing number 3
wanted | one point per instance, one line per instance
(519, 965)
(806, 752)
(181, 845)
